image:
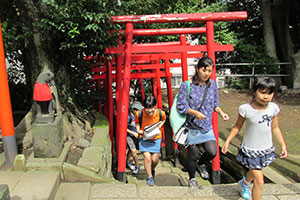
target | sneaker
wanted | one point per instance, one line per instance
(203, 171)
(192, 183)
(130, 166)
(136, 170)
(153, 173)
(245, 192)
(150, 181)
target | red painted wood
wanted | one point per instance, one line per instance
(168, 31)
(125, 99)
(184, 17)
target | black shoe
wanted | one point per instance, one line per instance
(203, 171)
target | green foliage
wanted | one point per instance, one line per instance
(75, 29)
(71, 30)
(237, 82)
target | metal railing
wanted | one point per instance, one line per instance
(252, 75)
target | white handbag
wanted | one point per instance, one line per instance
(180, 136)
(151, 131)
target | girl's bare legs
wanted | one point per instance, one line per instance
(154, 158)
(128, 153)
(258, 177)
(150, 162)
(135, 157)
(147, 163)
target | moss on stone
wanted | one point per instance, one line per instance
(101, 121)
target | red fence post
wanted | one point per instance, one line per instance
(6, 117)
(124, 104)
(216, 176)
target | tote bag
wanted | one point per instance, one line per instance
(177, 120)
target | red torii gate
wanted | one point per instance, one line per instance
(6, 116)
(122, 110)
(158, 51)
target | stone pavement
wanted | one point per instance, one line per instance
(45, 185)
(48, 185)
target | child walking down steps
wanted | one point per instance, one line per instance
(257, 149)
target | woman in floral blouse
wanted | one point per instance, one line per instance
(199, 120)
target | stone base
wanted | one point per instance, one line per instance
(45, 118)
(47, 139)
(4, 192)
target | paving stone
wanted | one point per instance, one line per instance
(275, 189)
(113, 191)
(288, 197)
(159, 192)
(201, 181)
(268, 197)
(73, 173)
(274, 176)
(36, 185)
(167, 179)
(73, 191)
(216, 190)
(295, 187)
(163, 170)
(10, 178)
(91, 158)
(99, 138)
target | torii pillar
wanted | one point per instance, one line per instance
(6, 118)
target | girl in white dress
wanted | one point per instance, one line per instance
(257, 149)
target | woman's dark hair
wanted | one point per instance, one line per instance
(203, 62)
(263, 83)
(150, 102)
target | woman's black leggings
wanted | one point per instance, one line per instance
(194, 155)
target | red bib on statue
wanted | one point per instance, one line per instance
(42, 92)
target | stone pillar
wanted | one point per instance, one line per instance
(48, 139)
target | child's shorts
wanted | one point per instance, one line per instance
(152, 146)
(256, 159)
(131, 143)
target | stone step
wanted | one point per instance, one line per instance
(223, 191)
(165, 175)
(37, 185)
(72, 191)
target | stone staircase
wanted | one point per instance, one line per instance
(54, 179)
(46, 185)
(165, 175)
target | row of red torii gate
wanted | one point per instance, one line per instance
(152, 61)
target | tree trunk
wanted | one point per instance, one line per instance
(269, 37)
(284, 44)
(39, 53)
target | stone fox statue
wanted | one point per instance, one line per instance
(42, 93)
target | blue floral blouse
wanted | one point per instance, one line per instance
(195, 100)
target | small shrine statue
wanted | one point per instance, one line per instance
(44, 98)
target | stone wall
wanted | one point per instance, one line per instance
(97, 157)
